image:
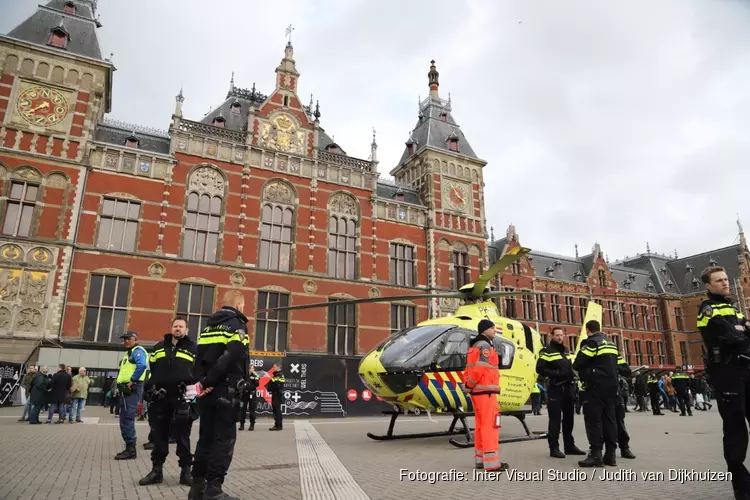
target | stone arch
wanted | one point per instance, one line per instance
(27, 67)
(111, 271)
(42, 70)
(3, 170)
(123, 195)
(56, 179)
(444, 244)
(209, 179)
(198, 281)
(87, 81)
(460, 246)
(58, 74)
(273, 288)
(72, 77)
(278, 190)
(26, 172)
(11, 64)
(342, 295)
(343, 203)
(475, 251)
(403, 240)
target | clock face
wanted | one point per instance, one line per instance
(456, 196)
(43, 107)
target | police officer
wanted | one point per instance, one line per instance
(220, 367)
(623, 438)
(276, 387)
(681, 384)
(596, 364)
(555, 364)
(724, 330)
(171, 365)
(654, 393)
(482, 382)
(133, 372)
(248, 399)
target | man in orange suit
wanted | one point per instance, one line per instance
(482, 382)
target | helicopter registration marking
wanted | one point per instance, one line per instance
(488, 310)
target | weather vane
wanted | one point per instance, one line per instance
(289, 30)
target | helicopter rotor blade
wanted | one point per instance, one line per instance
(510, 257)
(499, 293)
(452, 295)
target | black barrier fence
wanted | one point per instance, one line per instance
(316, 386)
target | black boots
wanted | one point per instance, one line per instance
(213, 491)
(129, 453)
(252, 426)
(556, 453)
(197, 489)
(626, 453)
(153, 477)
(610, 458)
(242, 426)
(274, 428)
(574, 450)
(148, 446)
(593, 460)
(185, 477)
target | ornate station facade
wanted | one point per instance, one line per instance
(107, 227)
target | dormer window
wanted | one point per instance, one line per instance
(70, 8)
(410, 146)
(452, 141)
(58, 37)
(219, 122)
(399, 197)
(236, 108)
(131, 141)
(286, 100)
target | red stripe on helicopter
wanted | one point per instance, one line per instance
(439, 378)
(408, 397)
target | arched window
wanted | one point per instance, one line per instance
(202, 227)
(275, 237)
(19, 209)
(342, 247)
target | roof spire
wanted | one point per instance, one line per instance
(648, 248)
(743, 241)
(492, 234)
(179, 99)
(576, 245)
(373, 148)
(316, 114)
(231, 83)
(434, 84)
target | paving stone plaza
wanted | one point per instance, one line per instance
(333, 458)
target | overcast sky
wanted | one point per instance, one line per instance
(617, 122)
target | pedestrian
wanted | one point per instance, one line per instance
(653, 389)
(220, 367)
(27, 383)
(681, 384)
(132, 374)
(171, 365)
(81, 383)
(596, 364)
(482, 382)
(248, 399)
(59, 389)
(555, 364)
(276, 388)
(39, 387)
(724, 330)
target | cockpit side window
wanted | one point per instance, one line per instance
(453, 354)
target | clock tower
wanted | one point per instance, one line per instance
(439, 162)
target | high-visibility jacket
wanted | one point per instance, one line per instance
(680, 382)
(718, 321)
(482, 375)
(128, 366)
(596, 364)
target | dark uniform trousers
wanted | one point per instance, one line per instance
(164, 425)
(248, 404)
(653, 391)
(683, 399)
(560, 407)
(623, 438)
(218, 433)
(599, 410)
(731, 385)
(276, 406)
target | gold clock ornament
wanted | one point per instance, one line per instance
(42, 106)
(456, 196)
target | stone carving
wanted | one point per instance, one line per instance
(5, 317)
(156, 269)
(11, 252)
(10, 284)
(40, 255)
(237, 278)
(28, 319)
(34, 289)
(310, 286)
(56, 181)
(282, 135)
(278, 192)
(273, 288)
(26, 173)
(112, 161)
(342, 204)
(374, 293)
(207, 180)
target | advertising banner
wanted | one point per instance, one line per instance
(11, 375)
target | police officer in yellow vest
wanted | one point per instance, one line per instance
(133, 372)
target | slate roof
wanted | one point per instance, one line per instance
(117, 136)
(386, 190)
(432, 129)
(81, 27)
(644, 273)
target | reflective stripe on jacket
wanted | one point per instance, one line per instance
(481, 375)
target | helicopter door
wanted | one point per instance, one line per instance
(453, 350)
(506, 351)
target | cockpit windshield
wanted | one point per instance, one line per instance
(412, 349)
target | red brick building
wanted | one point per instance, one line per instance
(110, 227)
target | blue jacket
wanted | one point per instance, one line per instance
(139, 357)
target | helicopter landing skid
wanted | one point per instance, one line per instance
(521, 416)
(452, 431)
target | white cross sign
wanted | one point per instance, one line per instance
(295, 368)
(296, 397)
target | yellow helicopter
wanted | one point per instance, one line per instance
(421, 368)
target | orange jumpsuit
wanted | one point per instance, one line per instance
(482, 382)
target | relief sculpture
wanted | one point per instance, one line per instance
(34, 287)
(278, 192)
(207, 180)
(344, 204)
(10, 284)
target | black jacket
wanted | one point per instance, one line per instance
(276, 385)
(718, 318)
(172, 363)
(252, 385)
(554, 363)
(681, 382)
(597, 365)
(222, 356)
(59, 387)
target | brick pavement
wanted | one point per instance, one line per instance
(75, 461)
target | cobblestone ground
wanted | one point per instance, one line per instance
(74, 461)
